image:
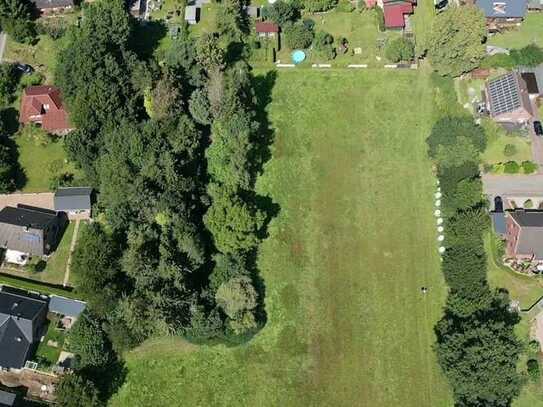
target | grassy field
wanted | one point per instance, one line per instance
(36, 157)
(42, 55)
(531, 31)
(353, 243)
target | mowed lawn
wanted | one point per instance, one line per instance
(346, 257)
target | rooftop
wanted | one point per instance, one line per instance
(394, 14)
(25, 215)
(503, 8)
(66, 306)
(266, 27)
(528, 219)
(76, 198)
(507, 93)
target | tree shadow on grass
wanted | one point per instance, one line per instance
(146, 38)
(9, 117)
(262, 140)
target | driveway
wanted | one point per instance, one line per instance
(515, 187)
(537, 141)
(42, 200)
(3, 38)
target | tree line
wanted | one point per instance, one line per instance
(476, 344)
(173, 148)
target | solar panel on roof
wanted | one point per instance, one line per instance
(31, 238)
(504, 94)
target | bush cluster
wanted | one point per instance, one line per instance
(476, 345)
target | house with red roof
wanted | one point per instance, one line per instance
(266, 29)
(397, 12)
(43, 106)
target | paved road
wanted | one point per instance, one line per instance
(3, 38)
(513, 185)
(537, 142)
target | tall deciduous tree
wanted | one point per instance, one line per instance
(234, 224)
(479, 354)
(457, 40)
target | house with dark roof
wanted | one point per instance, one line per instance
(502, 14)
(524, 234)
(75, 201)
(508, 100)
(22, 320)
(43, 106)
(29, 230)
(266, 29)
(53, 6)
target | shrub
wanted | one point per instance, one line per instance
(533, 369)
(534, 347)
(54, 28)
(488, 168)
(33, 79)
(281, 12)
(324, 45)
(530, 55)
(319, 5)
(298, 36)
(380, 18)
(528, 204)
(509, 150)
(511, 167)
(400, 49)
(8, 83)
(498, 61)
(529, 167)
(345, 6)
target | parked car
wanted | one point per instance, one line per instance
(538, 128)
(24, 68)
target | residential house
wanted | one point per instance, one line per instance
(192, 14)
(69, 310)
(29, 231)
(397, 13)
(53, 6)
(502, 14)
(252, 11)
(22, 319)
(75, 201)
(524, 235)
(508, 100)
(43, 106)
(267, 29)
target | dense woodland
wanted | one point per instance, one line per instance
(173, 149)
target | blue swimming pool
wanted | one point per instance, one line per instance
(298, 56)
